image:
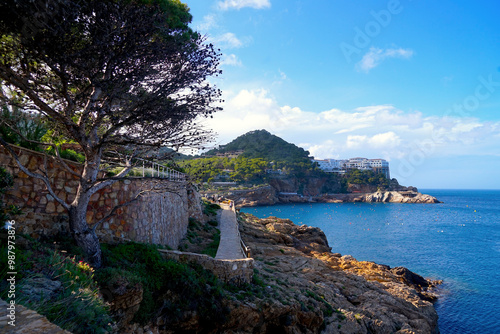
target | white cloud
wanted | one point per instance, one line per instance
(282, 75)
(238, 4)
(231, 60)
(209, 22)
(227, 40)
(354, 142)
(374, 131)
(376, 56)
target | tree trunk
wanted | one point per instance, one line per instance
(85, 237)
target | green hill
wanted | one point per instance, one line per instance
(264, 145)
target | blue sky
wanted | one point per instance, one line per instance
(414, 82)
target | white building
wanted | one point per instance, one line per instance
(332, 165)
(342, 166)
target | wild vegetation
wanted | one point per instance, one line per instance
(54, 280)
(201, 238)
(368, 177)
(7, 211)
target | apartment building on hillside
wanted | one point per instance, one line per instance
(342, 166)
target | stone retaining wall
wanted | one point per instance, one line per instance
(230, 271)
(159, 218)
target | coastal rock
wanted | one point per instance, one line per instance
(335, 293)
(36, 288)
(398, 197)
(300, 286)
(361, 188)
(269, 196)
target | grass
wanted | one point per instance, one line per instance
(76, 306)
(211, 249)
(201, 238)
(210, 209)
(190, 287)
(327, 307)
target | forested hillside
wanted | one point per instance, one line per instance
(264, 145)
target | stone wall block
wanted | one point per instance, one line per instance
(24, 159)
(51, 207)
(43, 200)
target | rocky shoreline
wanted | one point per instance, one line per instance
(313, 290)
(267, 195)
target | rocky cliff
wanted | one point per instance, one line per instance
(285, 189)
(310, 289)
(266, 195)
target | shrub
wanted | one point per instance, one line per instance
(210, 209)
(7, 211)
(211, 249)
(29, 128)
(196, 288)
(77, 305)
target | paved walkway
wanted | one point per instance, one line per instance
(229, 247)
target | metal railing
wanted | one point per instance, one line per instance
(154, 169)
(244, 248)
(148, 168)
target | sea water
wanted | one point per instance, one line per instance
(457, 241)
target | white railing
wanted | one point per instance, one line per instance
(154, 169)
(148, 168)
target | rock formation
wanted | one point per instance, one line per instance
(313, 289)
(379, 196)
(268, 196)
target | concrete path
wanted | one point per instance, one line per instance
(229, 247)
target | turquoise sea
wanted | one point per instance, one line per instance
(457, 241)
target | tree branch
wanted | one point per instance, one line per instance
(44, 179)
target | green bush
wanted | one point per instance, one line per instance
(77, 305)
(211, 249)
(210, 209)
(7, 211)
(29, 127)
(67, 154)
(196, 289)
(72, 155)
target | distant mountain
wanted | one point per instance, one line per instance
(262, 144)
